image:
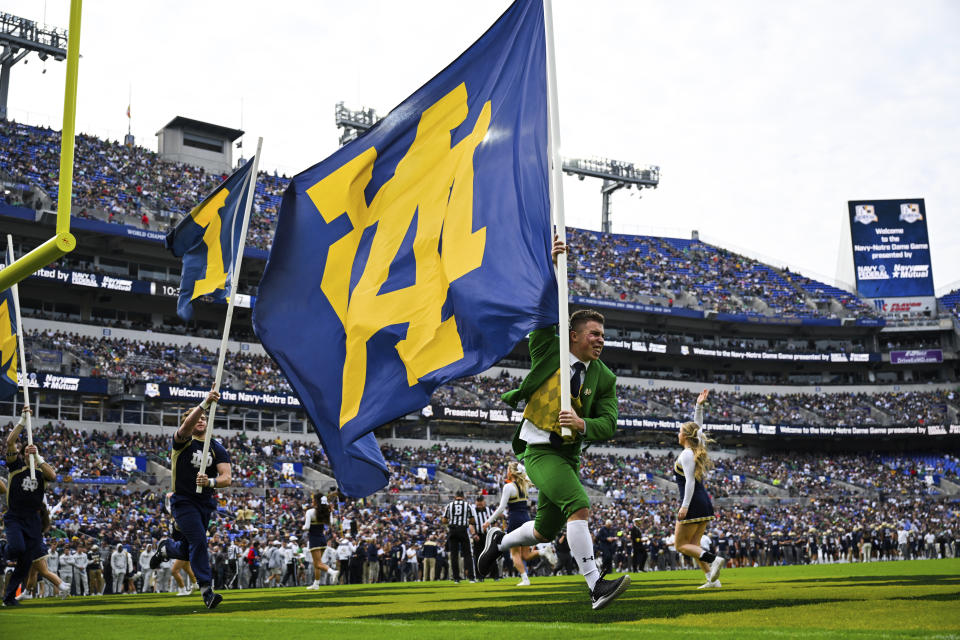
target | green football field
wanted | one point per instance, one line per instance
(878, 600)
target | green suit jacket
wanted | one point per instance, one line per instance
(598, 391)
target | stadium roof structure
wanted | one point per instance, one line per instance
(199, 126)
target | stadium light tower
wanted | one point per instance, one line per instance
(19, 37)
(615, 175)
(353, 123)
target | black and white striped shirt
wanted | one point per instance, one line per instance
(459, 514)
(483, 515)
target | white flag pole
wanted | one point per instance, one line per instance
(556, 206)
(22, 374)
(234, 279)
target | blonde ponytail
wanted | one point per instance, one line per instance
(519, 477)
(698, 440)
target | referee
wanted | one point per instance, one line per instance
(483, 514)
(458, 515)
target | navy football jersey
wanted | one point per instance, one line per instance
(185, 465)
(24, 493)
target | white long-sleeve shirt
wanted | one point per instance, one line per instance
(308, 520)
(509, 492)
(689, 464)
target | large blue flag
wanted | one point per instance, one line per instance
(208, 240)
(419, 252)
(8, 345)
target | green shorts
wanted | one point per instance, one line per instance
(557, 477)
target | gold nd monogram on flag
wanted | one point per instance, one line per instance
(435, 182)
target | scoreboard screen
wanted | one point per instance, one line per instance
(891, 250)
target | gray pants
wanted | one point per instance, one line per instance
(148, 574)
(244, 578)
(119, 577)
(163, 580)
(80, 581)
(371, 571)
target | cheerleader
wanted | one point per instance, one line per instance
(318, 517)
(696, 510)
(513, 500)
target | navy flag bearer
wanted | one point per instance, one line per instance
(23, 520)
(192, 510)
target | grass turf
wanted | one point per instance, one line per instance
(877, 600)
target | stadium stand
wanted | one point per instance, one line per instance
(776, 525)
(121, 184)
(951, 302)
(781, 499)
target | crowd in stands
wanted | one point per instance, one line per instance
(129, 184)
(256, 540)
(258, 462)
(835, 504)
(238, 332)
(149, 361)
(623, 476)
(951, 302)
(121, 183)
(669, 271)
(821, 409)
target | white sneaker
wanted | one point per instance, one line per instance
(710, 585)
(24, 595)
(193, 587)
(550, 554)
(314, 587)
(64, 590)
(183, 591)
(333, 573)
(523, 583)
(715, 567)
